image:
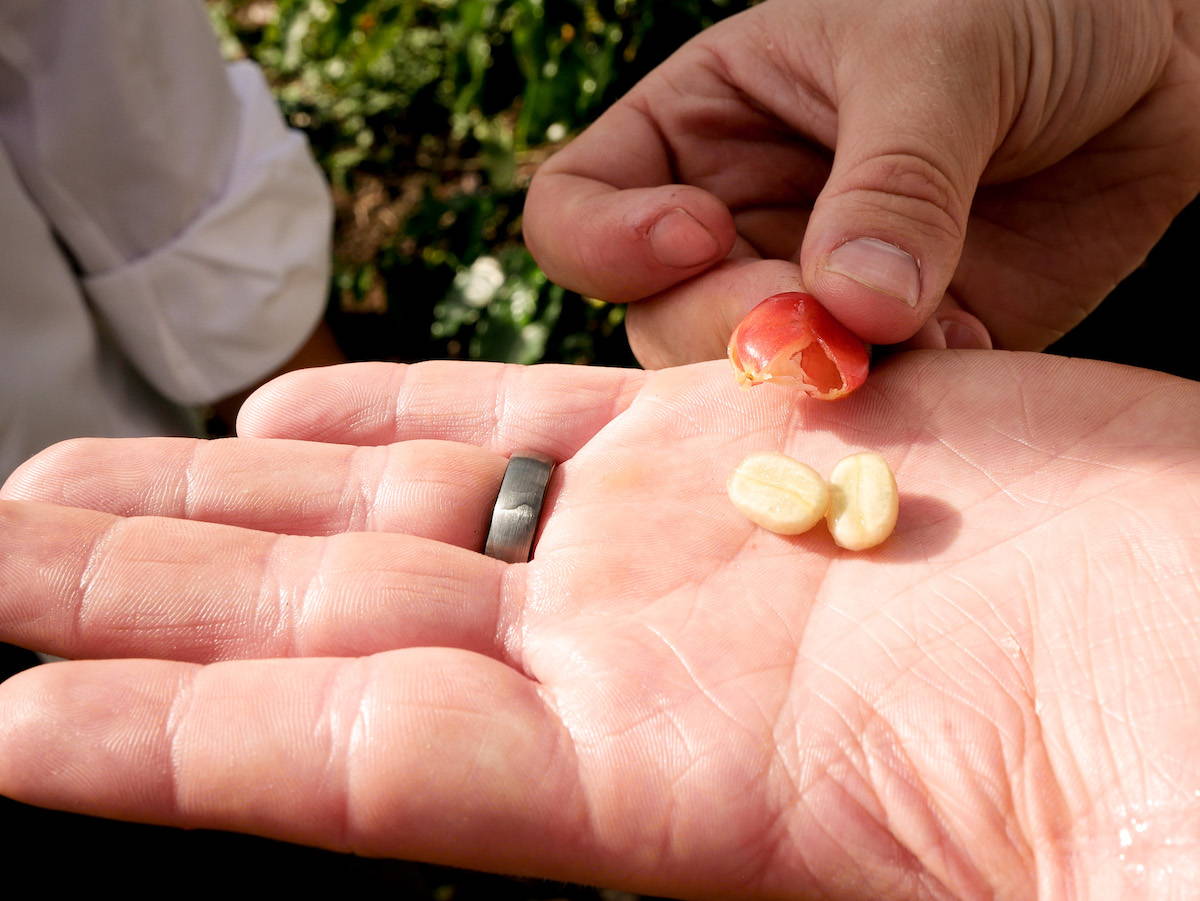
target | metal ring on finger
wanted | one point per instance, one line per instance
(518, 509)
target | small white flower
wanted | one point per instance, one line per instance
(524, 302)
(480, 283)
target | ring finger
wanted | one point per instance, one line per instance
(81, 583)
(211, 581)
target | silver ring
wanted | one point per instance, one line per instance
(518, 507)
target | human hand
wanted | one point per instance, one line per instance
(1000, 700)
(1026, 154)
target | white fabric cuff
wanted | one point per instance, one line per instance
(234, 296)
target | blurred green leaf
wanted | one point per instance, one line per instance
(429, 117)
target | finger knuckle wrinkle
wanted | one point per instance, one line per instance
(176, 750)
(922, 189)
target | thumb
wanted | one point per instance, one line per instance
(887, 230)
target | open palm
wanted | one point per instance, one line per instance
(999, 701)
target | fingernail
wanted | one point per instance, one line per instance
(962, 337)
(879, 265)
(679, 240)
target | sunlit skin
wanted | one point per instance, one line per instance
(1001, 701)
(791, 340)
(1027, 155)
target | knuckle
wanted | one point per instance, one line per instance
(911, 184)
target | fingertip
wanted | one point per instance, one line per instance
(624, 244)
(879, 265)
(950, 328)
(962, 331)
(84, 736)
(21, 718)
(313, 403)
(646, 240)
(877, 316)
(886, 234)
(678, 240)
(258, 413)
(928, 337)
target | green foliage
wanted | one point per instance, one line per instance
(429, 117)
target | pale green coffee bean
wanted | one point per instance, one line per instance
(779, 493)
(863, 502)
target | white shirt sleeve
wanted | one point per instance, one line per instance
(200, 223)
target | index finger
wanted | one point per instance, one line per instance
(605, 216)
